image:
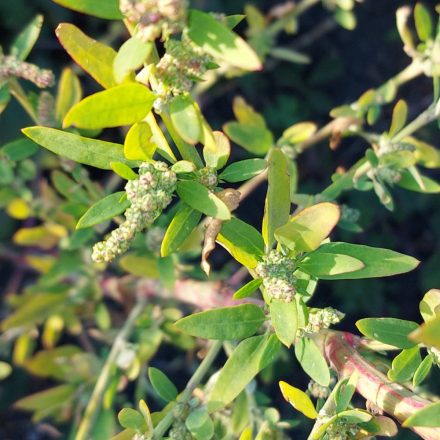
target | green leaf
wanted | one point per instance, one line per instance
(69, 93)
(405, 365)
(131, 419)
(123, 170)
(19, 149)
(248, 289)
(199, 197)
(26, 39)
(145, 266)
(422, 370)
(220, 42)
(108, 9)
(181, 226)
(138, 144)
(299, 132)
(242, 241)
(408, 182)
(312, 361)
(216, 153)
(255, 139)
(94, 57)
(344, 392)
(428, 416)
(243, 170)
(305, 231)
(388, 330)
(428, 333)
(186, 118)
(121, 105)
(247, 360)
(103, 210)
(227, 323)
(378, 262)
(346, 19)
(51, 398)
(423, 21)
(325, 266)
(93, 152)
(162, 385)
(246, 114)
(5, 370)
(400, 114)
(277, 204)
(430, 305)
(299, 400)
(284, 317)
(131, 55)
(200, 424)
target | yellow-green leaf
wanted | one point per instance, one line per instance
(69, 93)
(94, 57)
(400, 113)
(298, 399)
(428, 333)
(138, 144)
(108, 9)
(121, 105)
(186, 118)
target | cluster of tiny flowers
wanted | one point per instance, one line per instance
(388, 175)
(350, 214)
(435, 353)
(386, 146)
(340, 430)
(276, 271)
(154, 238)
(318, 391)
(12, 67)
(182, 65)
(149, 195)
(179, 431)
(155, 18)
(208, 177)
(320, 319)
(45, 109)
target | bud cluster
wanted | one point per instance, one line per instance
(318, 391)
(149, 195)
(155, 18)
(46, 109)
(183, 64)
(276, 270)
(339, 430)
(320, 319)
(180, 432)
(10, 66)
(208, 177)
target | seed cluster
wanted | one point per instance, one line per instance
(149, 195)
(12, 67)
(320, 319)
(276, 270)
(155, 18)
(318, 391)
(339, 430)
(179, 431)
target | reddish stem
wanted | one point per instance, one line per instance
(393, 398)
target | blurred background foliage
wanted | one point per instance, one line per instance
(344, 63)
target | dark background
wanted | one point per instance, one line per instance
(345, 64)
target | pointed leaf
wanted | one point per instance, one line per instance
(108, 9)
(299, 400)
(237, 322)
(405, 364)
(131, 55)
(69, 93)
(423, 21)
(422, 370)
(243, 170)
(248, 289)
(25, 41)
(400, 114)
(325, 266)
(162, 384)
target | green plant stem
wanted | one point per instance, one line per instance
(196, 378)
(20, 95)
(107, 371)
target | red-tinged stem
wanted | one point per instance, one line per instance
(394, 399)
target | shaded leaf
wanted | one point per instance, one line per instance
(162, 384)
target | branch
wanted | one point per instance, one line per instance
(393, 398)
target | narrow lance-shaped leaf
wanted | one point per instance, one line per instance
(243, 170)
(121, 105)
(93, 152)
(277, 204)
(108, 9)
(405, 365)
(248, 289)
(220, 42)
(247, 360)
(305, 231)
(94, 57)
(181, 226)
(69, 93)
(388, 330)
(423, 22)
(199, 197)
(299, 400)
(162, 384)
(226, 323)
(400, 113)
(242, 241)
(23, 44)
(326, 266)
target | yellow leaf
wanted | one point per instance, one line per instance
(44, 236)
(42, 263)
(246, 434)
(298, 399)
(18, 209)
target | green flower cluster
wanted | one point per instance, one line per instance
(276, 270)
(339, 430)
(155, 18)
(317, 391)
(179, 431)
(149, 195)
(12, 67)
(320, 319)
